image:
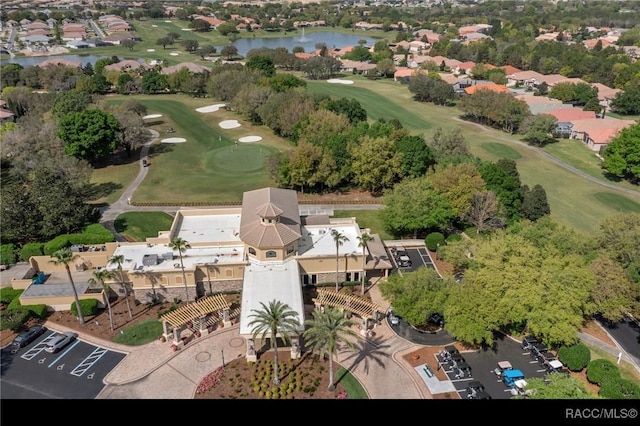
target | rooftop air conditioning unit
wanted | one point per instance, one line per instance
(167, 255)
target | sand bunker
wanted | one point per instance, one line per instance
(168, 22)
(186, 29)
(174, 53)
(154, 26)
(335, 80)
(229, 124)
(173, 140)
(152, 116)
(250, 139)
(151, 50)
(210, 108)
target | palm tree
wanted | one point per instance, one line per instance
(339, 238)
(66, 256)
(364, 239)
(325, 331)
(181, 245)
(119, 260)
(99, 276)
(277, 318)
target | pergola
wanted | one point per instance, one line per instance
(368, 311)
(202, 313)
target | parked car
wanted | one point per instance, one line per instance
(502, 367)
(475, 390)
(394, 320)
(404, 261)
(437, 319)
(29, 335)
(59, 341)
(537, 350)
(528, 342)
(544, 358)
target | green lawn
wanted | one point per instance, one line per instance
(138, 226)
(570, 196)
(366, 219)
(109, 182)
(501, 150)
(210, 167)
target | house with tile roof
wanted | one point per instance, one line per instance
(525, 78)
(499, 88)
(190, 66)
(596, 133)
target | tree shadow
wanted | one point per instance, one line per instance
(95, 191)
(120, 224)
(367, 352)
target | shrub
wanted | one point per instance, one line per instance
(31, 249)
(88, 307)
(39, 311)
(575, 357)
(15, 304)
(618, 388)
(433, 240)
(7, 254)
(59, 242)
(601, 370)
(454, 237)
(14, 319)
(7, 294)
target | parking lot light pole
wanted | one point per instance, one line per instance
(222, 354)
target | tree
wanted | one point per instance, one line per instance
(229, 51)
(326, 331)
(99, 277)
(627, 102)
(458, 183)
(614, 294)
(119, 260)
(70, 101)
(417, 157)
(190, 45)
(339, 239)
(199, 25)
(164, 42)
(154, 82)
(376, 164)
(181, 246)
(350, 108)
(363, 240)
(90, 134)
(64, 257)
(128, 43)
(557, 386)
(414, 206)
(484, 212)
(448, 144)
(622, 154)
(538, 129)
(263, 64)
(277, 320)
(205, 51)
(534, 202)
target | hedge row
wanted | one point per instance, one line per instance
(89, 307)
(92, 234)
(606, 374)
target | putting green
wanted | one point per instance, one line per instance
(239, 158)
(501, 150)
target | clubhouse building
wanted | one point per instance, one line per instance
(265, 250)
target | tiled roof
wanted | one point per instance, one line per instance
(269, 201)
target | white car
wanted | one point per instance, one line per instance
(59, 341)
(394, 320)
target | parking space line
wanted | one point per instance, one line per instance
(89, 361)
(64, 353)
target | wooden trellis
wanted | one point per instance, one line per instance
(361, 307)
(199, 309)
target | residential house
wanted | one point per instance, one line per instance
(524, 78)
(5, 114)
(128, 65)
(605, 93)
(499, 88)
(59, 62)
(596, 133)
(358, 67)
(190, 66)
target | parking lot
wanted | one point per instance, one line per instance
(75, 372)
(417, 257)
(482, 365)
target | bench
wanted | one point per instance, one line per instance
(428, 371)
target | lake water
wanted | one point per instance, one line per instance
(308, 42)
